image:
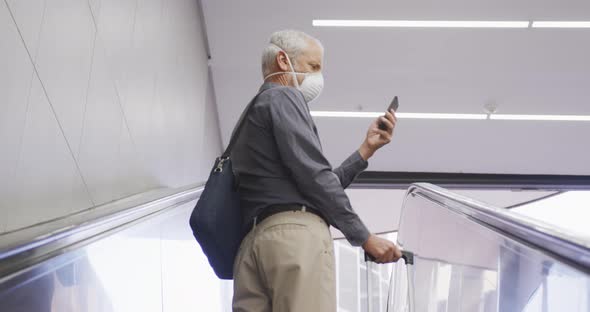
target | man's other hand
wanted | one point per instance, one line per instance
(383, 250)
(377, 138)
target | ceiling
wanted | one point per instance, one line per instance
(522, 71)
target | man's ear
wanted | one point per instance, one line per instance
(282, 61)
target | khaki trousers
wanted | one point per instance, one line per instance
(286, 264)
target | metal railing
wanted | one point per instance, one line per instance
(29, 246)
(559, 242)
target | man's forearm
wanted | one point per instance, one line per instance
(350, 168)
(365, 151)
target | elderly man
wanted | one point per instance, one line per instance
(290, 194)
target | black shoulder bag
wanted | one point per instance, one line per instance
(216, 220)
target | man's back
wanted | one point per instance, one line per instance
(264, 179)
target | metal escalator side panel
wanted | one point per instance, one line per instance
(463, 263)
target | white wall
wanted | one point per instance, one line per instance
(100, 99)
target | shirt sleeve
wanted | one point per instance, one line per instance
(301, 153)
(350, 169)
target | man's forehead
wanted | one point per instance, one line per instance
(314, 51)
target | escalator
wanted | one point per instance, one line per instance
(469, 256)
(139, 255)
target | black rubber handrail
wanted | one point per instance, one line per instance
(403, 180)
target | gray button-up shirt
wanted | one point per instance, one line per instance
(278, 159)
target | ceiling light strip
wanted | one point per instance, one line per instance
(540, 117)
(345, 114)
(399, 115)
(440, 116)
(454, 116)
(424, 24)
(562, 24)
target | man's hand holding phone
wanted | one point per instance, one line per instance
(380, 131)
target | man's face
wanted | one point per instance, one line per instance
(310, 61)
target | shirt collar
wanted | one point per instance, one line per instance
(267, 85)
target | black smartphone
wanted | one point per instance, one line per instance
(394, 105)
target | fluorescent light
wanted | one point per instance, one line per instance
(398, 115)
(557, 24)
(440, 116)
(345, 114)
(541, 117)
(454, 116)
(426, 24)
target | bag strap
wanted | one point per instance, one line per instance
(238, 128)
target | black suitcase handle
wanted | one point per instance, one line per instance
(407, 256)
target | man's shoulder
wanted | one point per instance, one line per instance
(277, 96)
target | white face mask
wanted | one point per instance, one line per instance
(312, 84)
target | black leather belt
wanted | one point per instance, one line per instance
(274, 209)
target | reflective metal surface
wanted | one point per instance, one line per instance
(26, 247)
(465, 263)
(155, 265)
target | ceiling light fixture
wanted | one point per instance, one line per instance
(399, 115)
(540, 117)
(558, 24)
(424, 24)
(440, 116)
(345, 114)
(454, 116)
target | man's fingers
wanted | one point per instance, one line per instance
(388, 256)
(397, 255)
(384, 255)
(388, 123)
(384, 134)
(393, 117)
(382, 250)
(380, 257)
(394, 252)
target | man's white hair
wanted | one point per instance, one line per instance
(293, 42)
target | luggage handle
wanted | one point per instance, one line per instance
(407, 256)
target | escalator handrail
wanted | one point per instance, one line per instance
(36, 249)
(545, 237)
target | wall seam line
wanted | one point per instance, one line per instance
(36, 73)
(87, 93)
(114, 84)
(215, 108)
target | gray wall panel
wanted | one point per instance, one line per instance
(64, 60)
(47, 182)
(114, 21)
(29, 17)
(95, 7)
(133, 177)
(212, 142)
(98, 154)
(121, 102)
(15, 82)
